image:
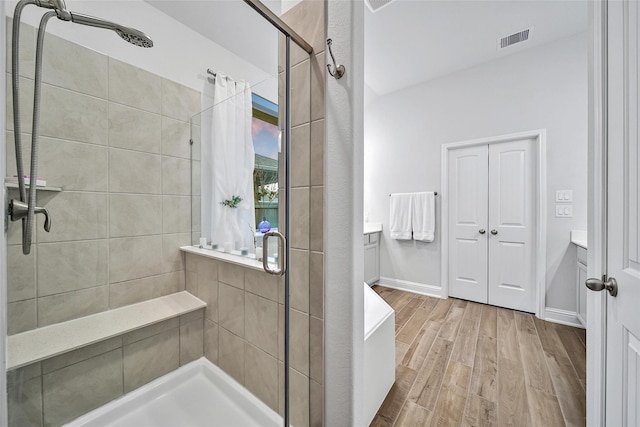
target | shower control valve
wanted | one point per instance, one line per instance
(19, 210)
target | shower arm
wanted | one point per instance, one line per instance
(20, 209)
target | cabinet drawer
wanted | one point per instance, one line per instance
(582, 255)
(366, 239)
(374, 237)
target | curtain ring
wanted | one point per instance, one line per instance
(339, 69)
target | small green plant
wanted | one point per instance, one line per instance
(233, 202)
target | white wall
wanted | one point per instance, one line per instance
(179, 53)
(544, 87)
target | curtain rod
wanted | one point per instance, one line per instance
(435, 193)
(279, 24)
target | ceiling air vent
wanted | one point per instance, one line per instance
(376, 5)
(519, 37)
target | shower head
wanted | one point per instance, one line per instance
(131, 35)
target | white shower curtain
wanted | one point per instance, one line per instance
(227, 164)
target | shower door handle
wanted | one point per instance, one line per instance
(282, 245)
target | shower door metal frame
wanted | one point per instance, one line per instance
(290, 35)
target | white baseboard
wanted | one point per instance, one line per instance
(415, 287)
(563, 317)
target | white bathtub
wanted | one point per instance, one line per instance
(379, 351)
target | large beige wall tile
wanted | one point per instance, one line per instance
(21, 274)
(151, 330)
(316, 284)
(178, 101)
(133, 291)
(24, 403)
(71, 66)
(27, 48)
(21, 316)
(175, 214)
(300, 94)
(134, 215)
(211, 341)
(77, 389)
(151, 358)
(299, 399)
(134, 258)
(318, 76)
(134, 172)
(308, 18)
(26, 103)
(196, 215)
(73, 116)
(299, 347)
(134, 87)
(207, 290)
(261, 375)
(75, 216)
(262, 284)
(175, 138)
(85, 353)
(299, 280)
(134, 129)
(316, 168)
(70, 266)
(73, 165)
(11, 155)
(231, 274)
(172, 257)
(300, 146)
(316, 353)
(231, 356)
(316, 212)
(231, 309)
(176, 176)
(191, 341)
(299, 238)
(60, 307)
(316, 404)
(261, 323)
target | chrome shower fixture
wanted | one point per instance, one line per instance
(25, 208)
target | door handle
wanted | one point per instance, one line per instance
(482, 231)
(609, 284)
(279, 270)
(494, 231)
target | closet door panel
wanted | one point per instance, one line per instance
(468, 212)
(512, 225)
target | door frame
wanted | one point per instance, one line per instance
(540, 136)
(597, 211)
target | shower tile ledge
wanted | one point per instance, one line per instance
(222, 256)
(42, 343)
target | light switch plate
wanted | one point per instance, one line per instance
(564, 196)
(564, 211)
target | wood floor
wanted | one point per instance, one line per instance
(459, 363)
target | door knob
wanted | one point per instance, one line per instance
(482, 231)
(609, 284)
(494, 231)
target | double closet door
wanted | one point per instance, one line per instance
(492, 224)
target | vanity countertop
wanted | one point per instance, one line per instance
(579, 238)
(372, 227)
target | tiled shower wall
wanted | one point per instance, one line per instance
(115, 138)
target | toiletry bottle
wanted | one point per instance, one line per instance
(264, 226)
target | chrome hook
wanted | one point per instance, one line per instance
(339, 72)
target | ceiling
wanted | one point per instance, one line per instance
(412, 41)
(232, 24)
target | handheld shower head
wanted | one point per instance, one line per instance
(131, 35)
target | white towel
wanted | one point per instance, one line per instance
(400, 216)
(423, 216)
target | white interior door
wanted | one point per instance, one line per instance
(468, 199)
(623, 211)
(512, 225)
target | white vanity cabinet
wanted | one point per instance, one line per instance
(581, 275)
(372, 257)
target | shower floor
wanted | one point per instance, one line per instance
(197, 394)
